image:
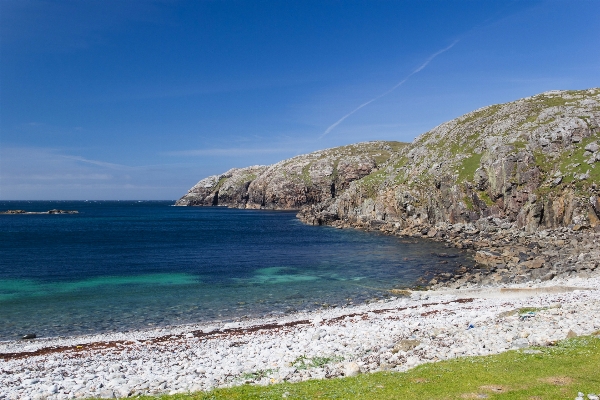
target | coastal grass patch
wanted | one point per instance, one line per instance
(469, 203)
(574, 162)
(483, 195)
(525, 310)
(469, 165)
(304, 362)
(484, 112)
(549, 373)
(257, 375)
(553, 100)
(220, 183)
(371, 183)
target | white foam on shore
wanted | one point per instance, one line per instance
(362, 337)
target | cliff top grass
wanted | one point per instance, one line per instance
(379, 151)
(461, 146)
(557, 372)
(458, 142)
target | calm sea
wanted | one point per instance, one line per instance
(121, 265)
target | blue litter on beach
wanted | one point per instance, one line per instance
(526, 315)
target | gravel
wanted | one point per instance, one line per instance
(394, 334)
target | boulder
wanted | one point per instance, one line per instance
(405, 345)
(351, 369)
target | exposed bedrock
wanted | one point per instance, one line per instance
(533, 163)
(292, 183)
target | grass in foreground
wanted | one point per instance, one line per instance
(556, 373)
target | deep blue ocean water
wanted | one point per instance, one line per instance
(120, 265)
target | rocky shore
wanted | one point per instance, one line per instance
(516, 183)
(393, 334)
(504, 253)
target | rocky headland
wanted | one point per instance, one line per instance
(293, 183)
(533, 163)
(517, 183)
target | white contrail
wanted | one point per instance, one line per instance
(434, 55)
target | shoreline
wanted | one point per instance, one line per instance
(504, 253)
(394, 334)
(552, 273)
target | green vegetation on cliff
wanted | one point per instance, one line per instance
(533, 161)
(505, 160)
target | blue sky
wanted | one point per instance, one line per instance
(141, 99)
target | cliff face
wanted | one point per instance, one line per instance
(532, 163)
(290, 184)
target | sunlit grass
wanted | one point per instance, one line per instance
(552, 373)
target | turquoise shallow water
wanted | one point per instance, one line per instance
(128, 265)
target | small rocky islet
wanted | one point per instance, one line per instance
(515, 184)
(23, 212)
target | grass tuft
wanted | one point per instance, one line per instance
(553, 373)
(467, 169)
(304, 362)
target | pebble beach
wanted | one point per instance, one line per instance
(394, 334)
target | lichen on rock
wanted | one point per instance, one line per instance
(292, 183)
(531, 162)
(534, 162)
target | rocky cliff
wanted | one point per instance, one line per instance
(533, 163)
(290, 184)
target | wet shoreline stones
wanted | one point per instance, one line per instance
(504, 254)
(393, 335)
